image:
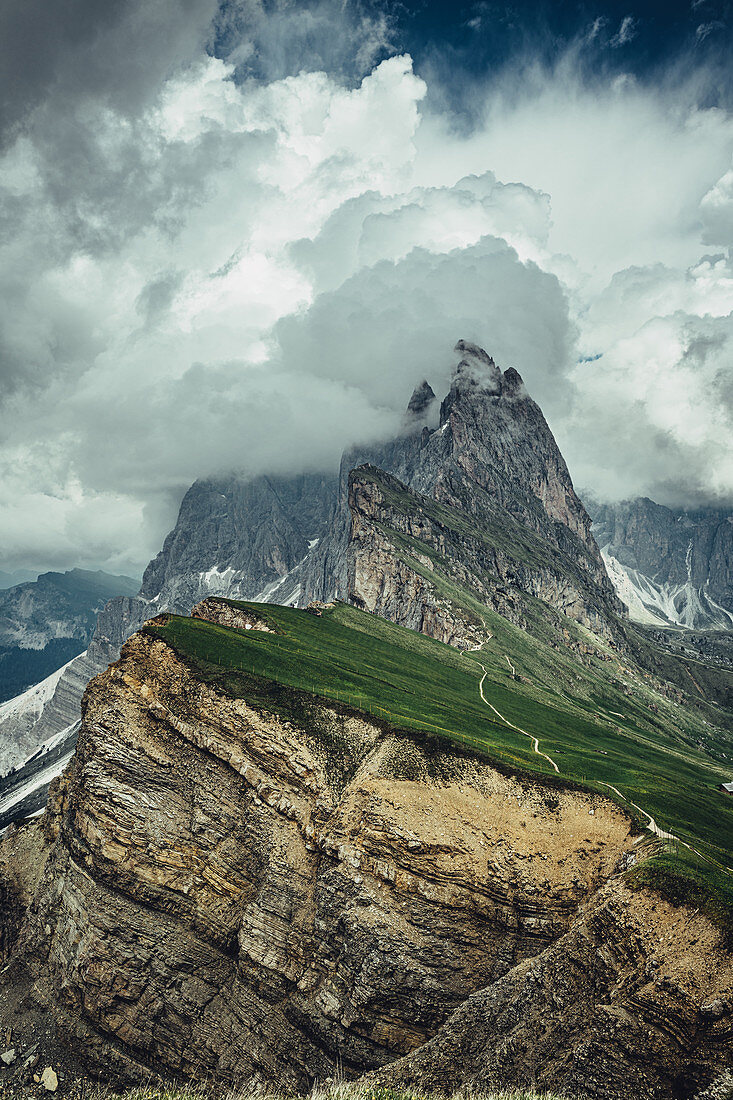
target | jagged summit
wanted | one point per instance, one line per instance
(476, 374)
(512, 383)
(490, 454)
(423, 398)
(470, 351)
(475, 370)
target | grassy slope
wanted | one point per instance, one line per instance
(416, 683)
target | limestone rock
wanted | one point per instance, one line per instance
(230, 895)
(671, 565)
(49, 1079)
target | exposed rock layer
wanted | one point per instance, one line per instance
(230, 892)
(632, 1001)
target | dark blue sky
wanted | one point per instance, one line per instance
(484, 33)
(459, 44)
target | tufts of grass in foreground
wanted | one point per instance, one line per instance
(329, 1091)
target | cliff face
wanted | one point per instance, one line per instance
(650, 1016)
(670, 566)
(233, 892)
(239, 537)
(411, 560)
(489, 456)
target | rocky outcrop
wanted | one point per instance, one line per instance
(670, 566)
(635, 1000)
(223, 613)
(228, 891)
(402, 545)
(224, 891)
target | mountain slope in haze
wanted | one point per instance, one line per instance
(18, 576)
(46, 622)
(240, 537)
(671, 567)
(490, 456)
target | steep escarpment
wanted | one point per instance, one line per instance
(238, 536)
(410, 557)
(231, 890)
(489, 460)
(635, 1000)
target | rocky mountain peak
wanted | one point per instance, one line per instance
(421, 402)
(474, 375)
(512, 383)
(475, 370)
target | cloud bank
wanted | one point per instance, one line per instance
(217, 256)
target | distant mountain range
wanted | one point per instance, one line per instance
(18, 576)
(671, 567)
(47, 622)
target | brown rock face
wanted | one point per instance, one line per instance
(215, 610)
(230, 892)
(399, 540)
(635, 1000)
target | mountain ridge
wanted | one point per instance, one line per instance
(672, 566)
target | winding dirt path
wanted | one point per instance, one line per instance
(498, 713)
(663, 834)
(651, 825)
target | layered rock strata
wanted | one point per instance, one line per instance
(635, 1000)
(235, 892)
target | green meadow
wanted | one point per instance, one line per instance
(599, 720)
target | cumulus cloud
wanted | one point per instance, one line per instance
(654, 413)
(242, 248)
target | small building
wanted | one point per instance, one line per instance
(727, 787)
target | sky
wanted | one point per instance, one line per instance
(235, 234)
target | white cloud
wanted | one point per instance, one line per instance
(626, 33)
(231, 271)
(654, 413)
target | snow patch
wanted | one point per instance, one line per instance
(218, 578)
(33, 699)
(39, 779)
(653, 604)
